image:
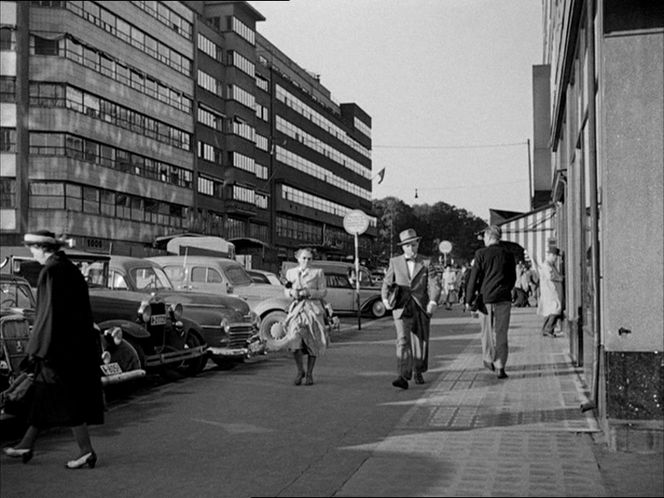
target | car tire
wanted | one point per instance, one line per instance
(378, 309)
(195, 365)
(270, 319)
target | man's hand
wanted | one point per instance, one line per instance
(430, 307)
(387, 304)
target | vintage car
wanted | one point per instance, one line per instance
(119, 361)
(342, 295)
(159, 333)
(219, 276)
(230, 328)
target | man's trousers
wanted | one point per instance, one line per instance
(412, 345)
(495, 325)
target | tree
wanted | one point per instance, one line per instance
(433, 223)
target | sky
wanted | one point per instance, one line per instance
(447, 83)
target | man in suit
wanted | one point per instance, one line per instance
(417, 293)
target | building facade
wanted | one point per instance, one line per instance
(125, 123)
(605, 173)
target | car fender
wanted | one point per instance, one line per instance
(272, 304)
(192, 326)
(130, 328)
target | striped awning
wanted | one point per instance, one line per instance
(532, 231)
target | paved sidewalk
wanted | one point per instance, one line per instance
(481, 436)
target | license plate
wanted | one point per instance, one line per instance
(158, 320)
(111, 369)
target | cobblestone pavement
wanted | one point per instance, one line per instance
(481, 436)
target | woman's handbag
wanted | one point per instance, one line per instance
(16, 396)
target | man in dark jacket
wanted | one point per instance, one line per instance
(494, 274)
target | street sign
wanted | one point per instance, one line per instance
(356, 222)
(445, 247)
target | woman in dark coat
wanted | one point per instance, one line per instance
(64, 353)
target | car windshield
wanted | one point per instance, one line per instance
(150, 277)
(237, 275)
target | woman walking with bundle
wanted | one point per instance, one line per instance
(303, 331)
(64, 353)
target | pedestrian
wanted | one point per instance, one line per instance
(494, 274)
(449, 285)
(64, 353)
(551, 292)
(304, 326)
(417, 293)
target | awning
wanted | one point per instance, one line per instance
(533, 231)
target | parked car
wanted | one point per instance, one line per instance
(343, 267)
(342, 295)
(119, 362)
(230, 328)
(157, 330)
(264, 277)
(222, 275)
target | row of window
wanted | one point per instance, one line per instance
(210, 118)
(210, 83)
(69, 97)
(242, 96)
(314, 116)
(120, 28)
(288, 128)
(214, 188)
(161, 12)
(210, 48)
(242, 63)
(310, 168)
(243, 30)
(248, 164)
(92, 58)
(362, 127)
(83, 149)
(305, 232)
(306, 199)
(93, 200)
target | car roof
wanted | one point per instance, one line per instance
(193, 259)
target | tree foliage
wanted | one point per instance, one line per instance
(434, 223)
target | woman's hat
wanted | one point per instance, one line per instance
(408, 236)
(40, 237)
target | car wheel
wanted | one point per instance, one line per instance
(195, 365)
(270, 319)
(378, 309)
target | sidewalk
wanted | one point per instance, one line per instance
(522, 436)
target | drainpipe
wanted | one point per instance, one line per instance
(594, 209)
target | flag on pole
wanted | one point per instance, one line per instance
(381, 175)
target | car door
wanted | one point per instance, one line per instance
(340, 294)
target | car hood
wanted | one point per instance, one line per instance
(202, 299)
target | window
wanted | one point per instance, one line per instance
(198, 274)
(45, 47)
(7, 39)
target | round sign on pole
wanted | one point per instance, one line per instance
(356, 222)
(445, 247)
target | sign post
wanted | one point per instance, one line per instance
(356, 223)
(445, 247)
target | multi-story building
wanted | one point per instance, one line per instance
(604, 65)
(126, 123)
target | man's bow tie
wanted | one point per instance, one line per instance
(410, 259)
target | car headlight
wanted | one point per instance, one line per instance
(254, 319)
(145, 312)
(225, 325)
(177, 311)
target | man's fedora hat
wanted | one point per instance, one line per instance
(408, 236)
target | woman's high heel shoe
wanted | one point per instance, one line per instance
(24, 454)
(89, 459)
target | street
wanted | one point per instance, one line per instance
(244, 432)
(250, 432)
